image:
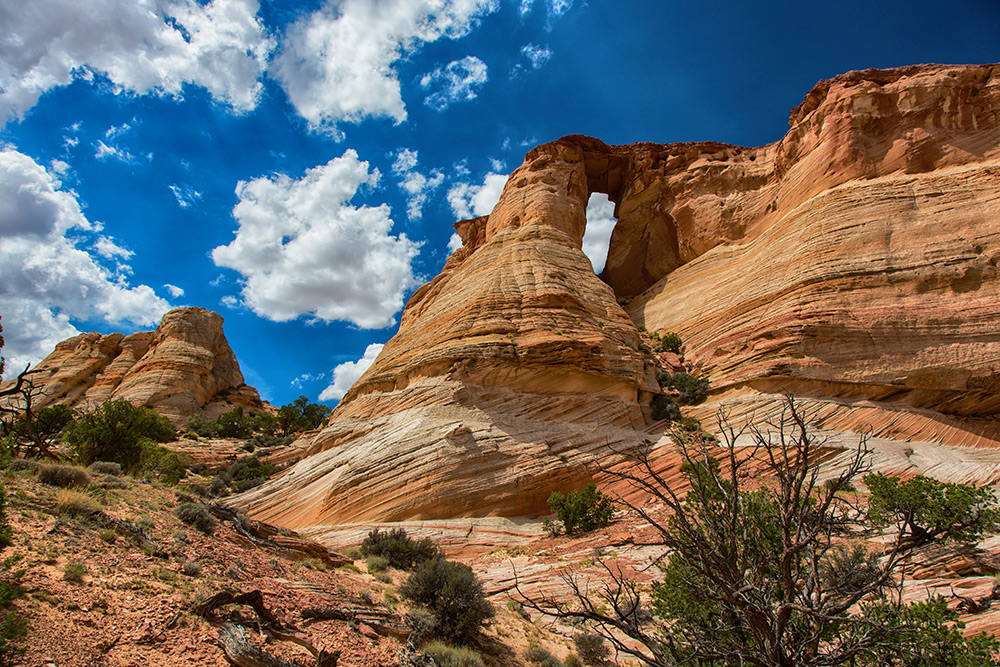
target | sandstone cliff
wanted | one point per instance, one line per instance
(184, 367)
(853, 263)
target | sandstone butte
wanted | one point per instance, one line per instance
(185, 367)
(853, 263)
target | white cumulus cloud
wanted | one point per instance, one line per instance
(50, 266)
(416, 185)
(304, 249)
(600, 223)
(347, 373)
(174, 290)
(471, 200)
(458, 81)
(140, 46)
(337, 64)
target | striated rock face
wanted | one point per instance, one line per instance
(854, 262)
(185, 367)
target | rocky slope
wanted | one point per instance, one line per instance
(853, 263)
(184, 367)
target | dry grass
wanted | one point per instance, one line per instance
(75, 503)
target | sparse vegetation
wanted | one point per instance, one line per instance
(455, 596)
(537, 655)
(668, 342)
(12, 626)
(445, 655)
(581, 511)
(75, 503)
(592, 649)
(376, 563)
(398, 548)
(197, 516)
(74, 572)
(105, 468)
(64, 476)
(191, 568)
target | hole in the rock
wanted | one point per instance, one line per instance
(600, 223)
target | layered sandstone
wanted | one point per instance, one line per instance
(185, 367)
(853, 263)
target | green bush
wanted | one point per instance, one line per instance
(74, 572)
(572, 660)
(25, 465)
(692, 390)
(665, 407)
(398, 548)
(581, 511)
(248, 472)
(455, 596)
(197, 516)
(445, 655)
(63, 476)
(115, 431)
(592, 648)
(670, 342)
(202, 426)
(160, 463)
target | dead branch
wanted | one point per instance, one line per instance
(977, 605)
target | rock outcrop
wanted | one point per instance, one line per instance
(853, 263)
(185, 367)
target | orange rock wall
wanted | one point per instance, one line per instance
(184, 367)
(852, 263)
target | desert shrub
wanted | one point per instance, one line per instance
(455, 596)
(235, 424)
(445, 655)
(75, 503)
(248, 472)
(112, 482)
(189, 435)
(689, 424)
(63, 476)
(105, 468)
(202, 426)
(108, 535)
(352, 552)
(398, 548)
(24, 465)
(572, 660)
(592, 648)
(670, 342)
(196, 516)
(191, 568)
(74, 572)
(376, 563)
(665, 407)
(692, 390)
(115, 432)
(581, 511)
(160, 463)
(181, 537)
(537, 655)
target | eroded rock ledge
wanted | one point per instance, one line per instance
(853, 262)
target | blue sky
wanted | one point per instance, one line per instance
(298, 166)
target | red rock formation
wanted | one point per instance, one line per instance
(185, 367)
(853, 261)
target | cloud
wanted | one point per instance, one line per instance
(416, 185)
(469, 200)
(458, 81)
(51, 270)
(454, 243)
(303, 249)
(186, 195)
(306, 378)
(600, 223)
(537, 55)
(347, 373)
(174, 290)
(553, 8)
(140, 46)
(230, 301)
(337, 64)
